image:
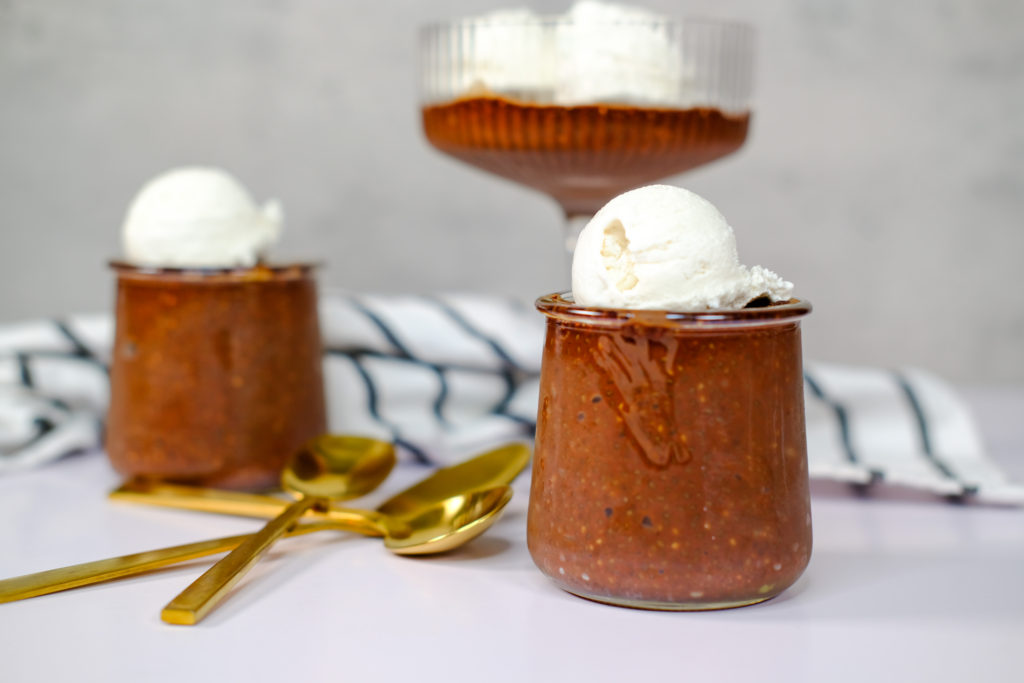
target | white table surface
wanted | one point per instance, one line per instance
(900, 588)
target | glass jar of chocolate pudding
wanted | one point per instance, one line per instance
(670, 469)
(216, 375)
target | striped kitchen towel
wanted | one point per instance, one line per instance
(444, 376)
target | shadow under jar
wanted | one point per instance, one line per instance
(216, 375)
(670, 469)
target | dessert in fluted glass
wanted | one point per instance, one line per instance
(670, 469)
(216, 370)
(589, 104)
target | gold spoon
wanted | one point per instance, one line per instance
(317, 476)
(310, 474)
(439, 528)
(338, 466)
(434, 528)
(492, 469)
(446, 525)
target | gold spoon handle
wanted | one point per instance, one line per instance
(206, 592)
(365, 522)
(200, 499)
(55, 580)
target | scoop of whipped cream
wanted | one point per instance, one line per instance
(201, 218)
(594, 53)
(507, 51)
(611, 53)
(665, 248)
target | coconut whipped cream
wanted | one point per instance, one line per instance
(594, 53)
(201, 218)
(666, 248)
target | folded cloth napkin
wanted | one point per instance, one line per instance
(443, 376)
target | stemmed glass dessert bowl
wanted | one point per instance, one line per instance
(585, 110)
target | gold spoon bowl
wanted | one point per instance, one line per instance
(447, 525)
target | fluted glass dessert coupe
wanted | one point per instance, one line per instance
(583, 111)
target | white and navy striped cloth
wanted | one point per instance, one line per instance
(444, 376)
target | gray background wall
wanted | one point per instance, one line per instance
(884, 173)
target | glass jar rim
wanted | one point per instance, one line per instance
(255, 273)
(561, 305)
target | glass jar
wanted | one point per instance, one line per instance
(216, 375)
(670, 469)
